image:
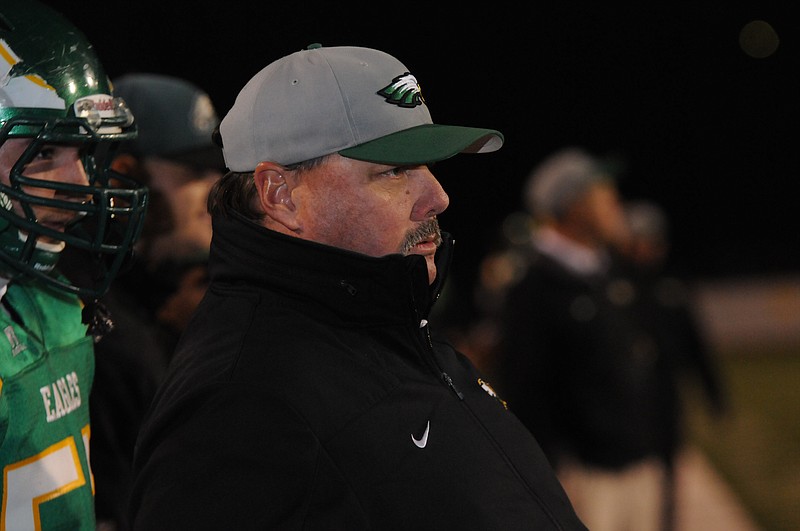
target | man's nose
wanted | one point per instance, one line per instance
(75, 173)
(434, 199)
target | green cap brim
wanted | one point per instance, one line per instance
(426, 143)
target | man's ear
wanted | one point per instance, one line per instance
(275, 194)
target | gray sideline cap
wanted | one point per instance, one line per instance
(175, 119)
(359, 102)
(562, 179)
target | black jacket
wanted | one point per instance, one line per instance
(580, 371)
(307, 393)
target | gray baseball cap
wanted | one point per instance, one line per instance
(359, 102)
(175, 119)
(562, 179)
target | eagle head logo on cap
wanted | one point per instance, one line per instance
(403, 91)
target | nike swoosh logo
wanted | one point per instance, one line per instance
(423, 441)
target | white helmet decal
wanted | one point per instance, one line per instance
(24, 91)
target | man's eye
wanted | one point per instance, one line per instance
(396, 172)
(45, 153)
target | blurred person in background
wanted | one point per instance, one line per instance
(500, 268)
(662, 303)
(175, 157)
(574, 365)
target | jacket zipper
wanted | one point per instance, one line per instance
(431, 359)
(447, 380)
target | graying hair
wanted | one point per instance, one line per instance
(236, 191)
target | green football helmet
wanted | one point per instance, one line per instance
(54, 91)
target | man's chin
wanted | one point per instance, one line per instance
(429, 260)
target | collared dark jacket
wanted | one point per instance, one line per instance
(307, 393)
(580, 371)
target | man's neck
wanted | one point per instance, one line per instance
(575, 255)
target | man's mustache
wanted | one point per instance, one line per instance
(426, 231)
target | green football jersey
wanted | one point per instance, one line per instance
(46, 371)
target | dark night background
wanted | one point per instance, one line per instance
(698, 125)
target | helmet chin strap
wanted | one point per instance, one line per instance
(45, 255)
(45, 246)
(44, 258)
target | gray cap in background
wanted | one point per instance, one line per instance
(560, 180)
(175, 119)
(361, 103)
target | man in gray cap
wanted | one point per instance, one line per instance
(309, 391)
(575, 363)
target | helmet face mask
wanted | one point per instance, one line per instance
(55, 101)
(101, 219)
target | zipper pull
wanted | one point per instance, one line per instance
(451, 385)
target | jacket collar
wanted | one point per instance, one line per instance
(351, 286)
